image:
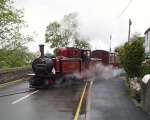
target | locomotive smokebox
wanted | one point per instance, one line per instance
(41, 47)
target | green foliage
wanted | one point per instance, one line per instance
(146, 67)
(15, 58)
(131, 56)
(83, 44)
(54, 35)
(11, 21)
(65, 33)
(12, 42)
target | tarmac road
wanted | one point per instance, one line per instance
(51, 104)
(110, 101)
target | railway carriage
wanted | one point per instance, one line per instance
(107, 57)
(101, 54)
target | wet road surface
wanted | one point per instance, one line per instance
(110, 101)
(51, 104)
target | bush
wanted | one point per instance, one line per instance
(131, 55)
(15, 58)
(145, 69)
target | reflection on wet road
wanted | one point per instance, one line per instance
(51, 104)
(110, 101)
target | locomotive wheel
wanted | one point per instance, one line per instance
(59, 81)
(46, 84)
(69, 79)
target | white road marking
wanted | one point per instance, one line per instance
(20, 99)
(91, 83)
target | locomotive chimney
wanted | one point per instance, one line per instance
(41, 50)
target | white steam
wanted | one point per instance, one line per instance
(100, 72)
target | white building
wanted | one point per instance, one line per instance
(147, 42)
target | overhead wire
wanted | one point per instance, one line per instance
(125, 8)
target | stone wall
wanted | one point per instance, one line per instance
(7, 75)
(145, 94)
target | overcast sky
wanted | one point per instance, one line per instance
(97, 18)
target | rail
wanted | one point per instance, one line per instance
(80, 102)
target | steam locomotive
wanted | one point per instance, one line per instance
(60, 68)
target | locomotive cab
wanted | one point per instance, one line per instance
(86, 55)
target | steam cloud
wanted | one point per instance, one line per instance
(95, 73)
(100, 72)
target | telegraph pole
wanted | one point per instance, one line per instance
(110, 44)
(130, 23)
(110, 50)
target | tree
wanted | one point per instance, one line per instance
(65, 33)
(13, 52)
(17, 58)
(11, 21)
(81, 42)
(131, 56)
(53, 35)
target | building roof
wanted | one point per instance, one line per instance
(147, 30)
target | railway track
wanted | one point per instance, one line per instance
(53, 103)
(20, 91)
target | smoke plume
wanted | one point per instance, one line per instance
(99, 72)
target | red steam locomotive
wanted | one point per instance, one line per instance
(60, 68)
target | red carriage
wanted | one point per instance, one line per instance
(101, 54)
(107, 57)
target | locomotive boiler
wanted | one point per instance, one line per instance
(60, 68)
